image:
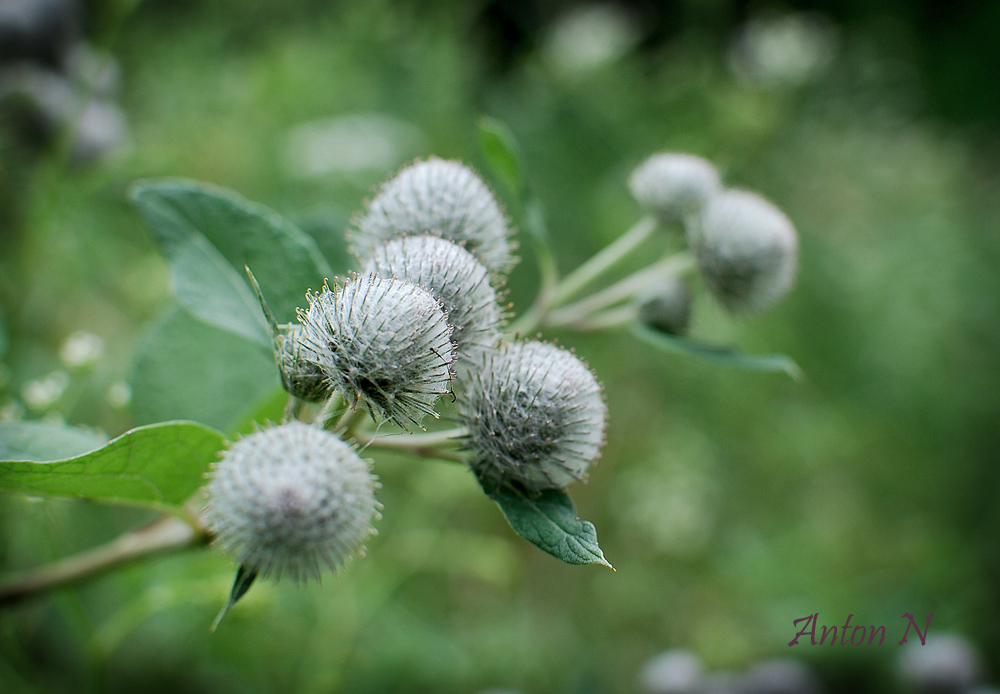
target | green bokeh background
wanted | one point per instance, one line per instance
(730, 502)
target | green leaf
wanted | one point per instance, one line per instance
(160, 465)
(724, 356)
(498, 145)
(190, 370)
(244, 579)
(549, 522)
(270, 408)
(4, 340)
(38, 441)
(211, 234)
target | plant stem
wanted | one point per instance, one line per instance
(608, 319)
(593, 268)
(168, 534)
(422, 446)
(431, 439)
(625, 289)
(348, 423)
(331, 415)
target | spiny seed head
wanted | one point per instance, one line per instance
(459, 281)
(298, 364)
(535, 416)
(444, 198)
(383, 341)
(666, 306)
(747, 250)
(291, 500)
(673, 185)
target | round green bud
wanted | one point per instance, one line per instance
(384, 342)
(535, 416)
(453, 276)
(291, 500)
(674, 185)
(747, 250)
(300, 373)
(443, 198)
(666, 306)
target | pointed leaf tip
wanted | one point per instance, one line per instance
(723, 356)
(244, 579)
(549, 522)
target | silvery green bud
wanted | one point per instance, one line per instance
(780, 676)
(300, 373)
(674, 672)
(747, 250)
(944, 664)
(666, 306)
(384, 342)
(535, 417)
(444, 198)
(674, 185)
(459, 281)
(291, 500)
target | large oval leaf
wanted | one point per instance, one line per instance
(160, 465)
(723, 356)
(39, 441)
(189, 370)
(549, 522)
(200, 227)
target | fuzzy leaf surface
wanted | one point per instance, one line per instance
(498, 145)
(160, 465)
(210, 234)
(190, 370)
(549, 522)
(4, 340)
(723, 356)
(41, 441)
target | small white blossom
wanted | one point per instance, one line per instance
(80, 349)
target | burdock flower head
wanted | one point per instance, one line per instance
(535, 417)
(673, 185)
(444, 198)
(384, 342)
(300, 374)
(747, 250)
(666, 306)
(459, 281)
(291, 500)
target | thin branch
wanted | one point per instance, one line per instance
(168, 534)
(608, 319)
(611, 254)
(625, 289)
(431, 439)
(419, 444)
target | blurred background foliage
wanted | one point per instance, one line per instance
(731, 503)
